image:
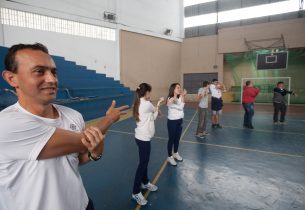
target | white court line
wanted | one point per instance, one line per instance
(219, 145)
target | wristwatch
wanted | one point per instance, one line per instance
(94, 158)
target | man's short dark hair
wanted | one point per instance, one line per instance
(280, 82)
(205, 83)
(10, 62)
(248, 83)
(214, 80)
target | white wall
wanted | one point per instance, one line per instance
(152, 17)
(96, 54)
(141, 16)
(100, 55)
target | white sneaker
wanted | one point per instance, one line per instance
(177, 157)
(140, 199)
(149, 186)
(172, 161)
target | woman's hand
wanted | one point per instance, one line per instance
(160, 101)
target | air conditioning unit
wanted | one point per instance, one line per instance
(110, 16)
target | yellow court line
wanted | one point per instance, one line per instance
(138, 207)
(223, 146)
(164, 164)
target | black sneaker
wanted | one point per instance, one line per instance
(251, 127)
(214, 126)
(218, 126)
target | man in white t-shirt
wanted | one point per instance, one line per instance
(202, 109)
(42, 144)
(216, 89)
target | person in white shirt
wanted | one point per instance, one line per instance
(202, 109)
(43, 144)
(175, 104)
(216, 89)
(145, 114)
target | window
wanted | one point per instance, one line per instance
(40, 22)
(243, 13)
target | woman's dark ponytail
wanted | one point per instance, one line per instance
(139, 93)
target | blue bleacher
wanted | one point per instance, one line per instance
(80, 88)
(8, 97)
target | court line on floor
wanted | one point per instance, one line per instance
(266, 131)
(257, 130)
(156, 178)
(222, 146)
(245, 149)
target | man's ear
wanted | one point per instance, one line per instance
(10, 78)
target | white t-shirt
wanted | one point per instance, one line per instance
(215, 92)
(203, 103)
(145, 129)
(30, 184)
(175, 110)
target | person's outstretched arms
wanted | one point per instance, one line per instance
(64, 142)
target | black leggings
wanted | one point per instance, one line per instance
(90, 205)
(141, 174)
(174, 128)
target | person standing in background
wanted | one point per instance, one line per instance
(248, 99)
(202, 109)
(175, 104)
(145, 114)
(279, 102)
(216, 89)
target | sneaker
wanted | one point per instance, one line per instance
(149, 186)
(171, 161)
(283, 123)
(251, 127)
(205, 133)
(275, 123)
(177, 157)
(200, 135)
(218, 126)
(213, 125)
(140, 199)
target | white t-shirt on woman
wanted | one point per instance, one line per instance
(175, 109)
(145, 129)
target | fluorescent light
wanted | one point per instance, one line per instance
(200, 20)
(193, 2)
(258, 11)
(243, 13)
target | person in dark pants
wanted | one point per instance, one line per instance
(248, 99)
(216, 89)
(175, 104)
(279, 102)
(145, 114)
